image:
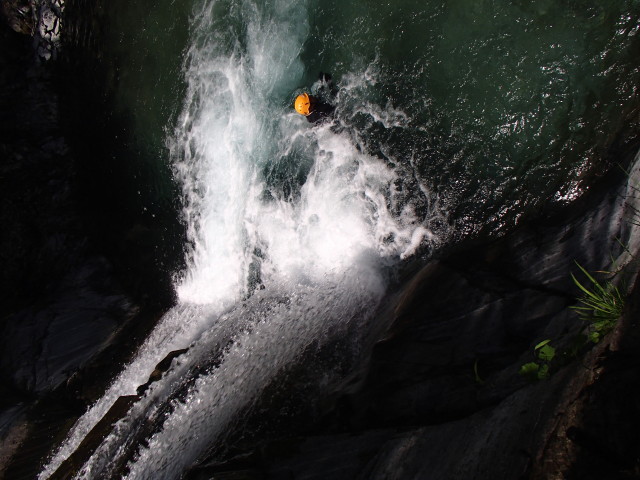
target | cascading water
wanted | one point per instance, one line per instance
(293, 229)
(290, 230)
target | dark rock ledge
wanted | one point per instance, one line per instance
(418, 410)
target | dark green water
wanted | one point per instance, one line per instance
(497, 108)
(509, 105)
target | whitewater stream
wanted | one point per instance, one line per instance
(452, 119)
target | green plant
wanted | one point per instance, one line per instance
(539, 369)
(476, 374)
(602, 305)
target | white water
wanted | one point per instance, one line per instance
(319, 252)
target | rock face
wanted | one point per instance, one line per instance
(19, 15)
(442, 397)
(49, 27)
(41, 19)
(65, 301)
(67, 318)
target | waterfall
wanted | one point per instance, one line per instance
(291, 228)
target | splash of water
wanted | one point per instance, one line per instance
(288, 227)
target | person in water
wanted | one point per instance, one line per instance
(313, 108)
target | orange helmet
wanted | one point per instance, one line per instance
(303, 104)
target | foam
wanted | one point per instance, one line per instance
(321, 249)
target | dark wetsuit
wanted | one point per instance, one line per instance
(321, 111)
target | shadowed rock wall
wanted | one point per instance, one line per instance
(71, 312)
(441, 396)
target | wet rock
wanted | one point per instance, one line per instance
(440, 396)
(19, 15)
(595, 434)
(40, 19)
(93, 439)
(13, 431)
(41, 347)
(116, 412)
(49, 28)
(63, 305)
(161, 368)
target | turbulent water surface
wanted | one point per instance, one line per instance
(453, 118)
